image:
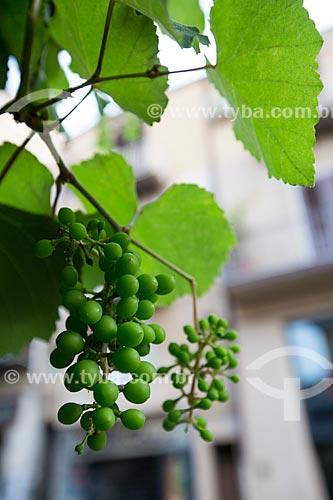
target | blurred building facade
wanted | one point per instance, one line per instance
(277, 291)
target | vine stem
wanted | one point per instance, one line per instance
(98, 69)
(14, 156)
(70, 178)
(33, 11)
(151, 73)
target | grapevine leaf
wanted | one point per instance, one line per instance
(178, 226)
(29, 286)
(131, 48)
(28, 183)
(266, 69)
(111, 181)
(187, 12)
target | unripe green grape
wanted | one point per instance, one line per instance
(222, 322)
(233, 362)
(43, 249)
(213, 394)
(133, 419)
(86, 421)
(179, 380)
(189, 330)
(126, 359)
(103, 418)
(78, 231)
(235, 348)
(223, 396)
(137, 391)
(137, 255)
(66, 216)
(174, 348)
(105, 264)
(127, 285)
(146, 309)
(147, 285)
(143, 349)
(160, 334)
(69, 277)
(193, 338)
(174, 415)
(69, 413)
(204, 325)
(168, 405)
(209, 355)
(105, 329)
(206, 435)
(213, 319)
(71, 342)
(168, 425)
(130, 334)
(60, 359)
(205, 404)
(90, 312)
(112, 251)
(200, 423)
(122, 239)
(203, 385)
(235, 378)
(184, 357)
(126, 308)
(148, 334)
(92, 224)
(87, 372)
(166, 284)
(220, 352)
(73, 323)
(127, 264)
(97, 441)
(218, 384)
(146, 371)
(231, 335)
(215, 363)
(70, 382)
(106, 393)
(73, 299)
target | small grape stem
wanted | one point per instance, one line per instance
(191, 396)
(71, 179)
(98, 69)
(105, 363)
(14, 157)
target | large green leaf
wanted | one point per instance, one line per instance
(29, 286)
(266, 66)
(28, 183)
(131, 48)
(187, 227)
(111, 181)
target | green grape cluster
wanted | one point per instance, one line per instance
(199, 374)
(105, 330)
